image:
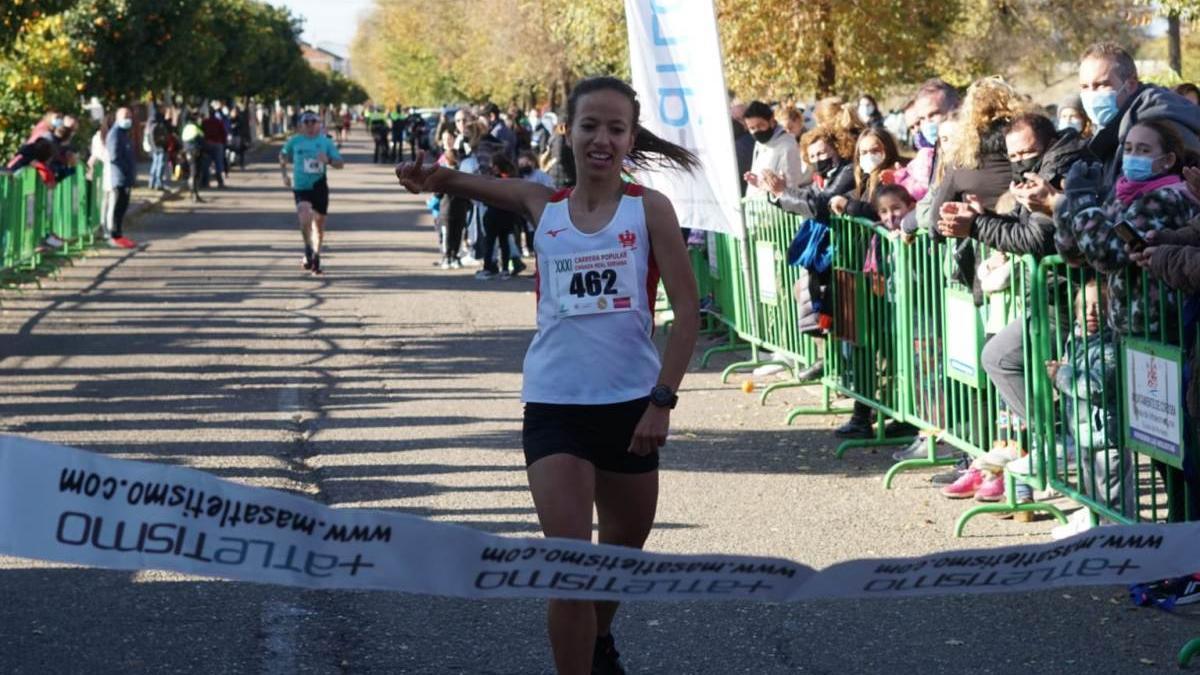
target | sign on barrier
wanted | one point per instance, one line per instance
(964, 332)
(768, 285)
(1153, 396)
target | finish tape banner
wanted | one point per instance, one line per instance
(72, 506)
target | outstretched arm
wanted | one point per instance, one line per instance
(522, 197)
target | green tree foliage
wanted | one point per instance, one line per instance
(55, 53)
(802, 48)
(1030, 38)
(518, 51)
(38, 72)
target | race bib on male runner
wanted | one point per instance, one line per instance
(312, 165)
(594, 282)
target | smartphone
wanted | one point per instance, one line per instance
(1130, 236)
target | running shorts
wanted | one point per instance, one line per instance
(317, 195)
(599, 434)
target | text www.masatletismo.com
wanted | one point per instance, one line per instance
(226, 512)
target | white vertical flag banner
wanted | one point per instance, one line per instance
(675, 58)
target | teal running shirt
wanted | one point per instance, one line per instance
(302, 152)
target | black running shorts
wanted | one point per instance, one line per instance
(317, 195)
(599, 434)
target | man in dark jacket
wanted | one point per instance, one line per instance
(1114, 100)
(122, 175)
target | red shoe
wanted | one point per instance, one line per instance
(124, 242)
(966, 485)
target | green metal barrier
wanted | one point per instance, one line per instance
(765, 318)
(1117, 418)
(862, 351)
(947, 394)
(30, 213)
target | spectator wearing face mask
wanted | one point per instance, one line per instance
(934, 105)
(774, 148)
(876, 154)
(831, 176)
(122, 166)
(1070, 116)
(1114, 100)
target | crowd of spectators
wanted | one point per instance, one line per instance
(189, 145)
(512, 144)
(988, 169)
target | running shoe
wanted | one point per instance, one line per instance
(124, 242)
(485, 275)
(1077, 523)
(455, 264)
(606, 660)
(505, 276)
(445, 264)
(992, 489)
(966, 486)
(518, 267)
(918, 449)
(306, 264)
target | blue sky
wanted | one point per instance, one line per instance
(330, 23)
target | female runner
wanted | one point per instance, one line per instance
(597, 398)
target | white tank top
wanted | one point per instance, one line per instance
(595, 308)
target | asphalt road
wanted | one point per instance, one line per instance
(391, 384)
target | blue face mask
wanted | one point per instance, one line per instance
(929, 131)
(1100, 106)
(1137, 168)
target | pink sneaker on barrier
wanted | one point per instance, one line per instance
(992, 489)
(966, 485)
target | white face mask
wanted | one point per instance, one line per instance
(870, 162)
(125, 123)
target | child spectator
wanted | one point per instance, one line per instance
(1086, 382)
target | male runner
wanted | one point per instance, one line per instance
(310, 152)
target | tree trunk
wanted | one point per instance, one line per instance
(827, 77)
(1174, 46)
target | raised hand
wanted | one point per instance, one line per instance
(415, 176)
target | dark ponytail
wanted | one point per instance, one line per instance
(648, 150)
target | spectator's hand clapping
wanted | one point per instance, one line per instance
(774, 182)
(955, 218)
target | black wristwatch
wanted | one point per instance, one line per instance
(662, 396)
